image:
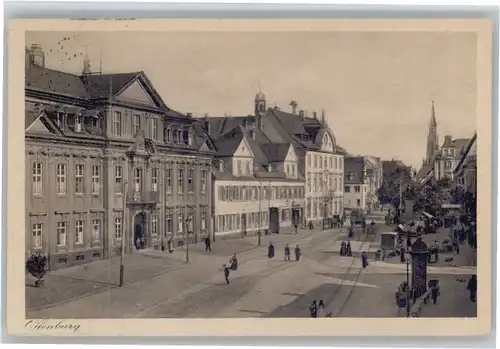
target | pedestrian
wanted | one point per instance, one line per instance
(342, 249)
(321, 307)
(297, 253)
(207, 244)
(408, 241)
(313, 309)
(348, 249)
(472, 288)
(296, 228)
(270, 250)
(364, 259)
(458, 247)
(287, 253)
(234, 262)
(434, 294)
(402, 255)
(226, 273)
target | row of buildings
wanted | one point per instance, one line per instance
(109, 162)
(454, 159)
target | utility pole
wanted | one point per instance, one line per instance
(407, 284)
(260, 214)
(124, 230)
(188, 219)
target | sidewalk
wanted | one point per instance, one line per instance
(72, 283)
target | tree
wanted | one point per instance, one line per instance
(388, 193)
(36, 265)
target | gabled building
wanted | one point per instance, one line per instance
(362, 178)
(448, 157)
(320, 159)
(257, 185)
(109, 163)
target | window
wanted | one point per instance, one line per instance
(61, 178)
(357, 189)
(350, 176)
(154, 128)
(37, 235)
(118, 179)
(96, 229)
(358, 202)
(168, 135)
(118, 227)
(203, 221)
(169, 224)
(37, 178)
(154, 225)
(137, 179)
(117, 123)
(136, 125)
(247, 167)
(168, 180)
(186, 137)
(79, 232)
(79, 180)
(96, 185)
(203, 181)
(61, 233)
(180, 181)
(238, 167)
(154, 179)
(347, 189)
(190, 181)
(180, 223)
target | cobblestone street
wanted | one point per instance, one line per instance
(161, 285)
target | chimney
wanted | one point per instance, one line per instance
(221, 165)
(302, 114)
(189, 115)
(315, 116)
(323, 120)
(36, 56)
(206, 123)
(294, 105)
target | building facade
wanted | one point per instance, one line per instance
(465, 175)
(109, 163)
(356, 183)
(321, 161)
(448, 157)
(257, 183)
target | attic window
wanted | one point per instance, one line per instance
(305, 137)
(186, 137)
(221, 165)
(350, 176)
(269, 168)
(78, 122)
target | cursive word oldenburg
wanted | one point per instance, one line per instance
(48, 325)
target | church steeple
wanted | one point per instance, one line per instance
(432, 138)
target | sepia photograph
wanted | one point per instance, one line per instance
(253, 174)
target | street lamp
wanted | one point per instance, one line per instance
(188, 221)
(123, 237)
(408, 261)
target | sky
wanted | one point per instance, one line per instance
(376, 88)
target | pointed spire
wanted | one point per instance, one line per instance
(433, 115)
(323, 120)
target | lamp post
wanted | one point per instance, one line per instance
(124, 230)
(188, 221)
(408, 257)
(260, 215)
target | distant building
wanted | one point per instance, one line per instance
(465, 175)
(108, 162)
(363, 176)
(440, 162)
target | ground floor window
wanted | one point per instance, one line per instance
(96, 229)
(154, 225)
(203, 221)
(61, 233)
(37, 229)
(79, 232)
(169, 224)
(118, 227)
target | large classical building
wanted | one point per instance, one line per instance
(257, 183)
(107, 161)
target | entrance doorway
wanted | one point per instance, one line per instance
(139, 234)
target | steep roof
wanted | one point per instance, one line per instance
(276, 152)
(356, 166)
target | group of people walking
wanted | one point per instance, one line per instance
(287, 252)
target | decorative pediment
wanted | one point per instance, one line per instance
(206, 146)
(291, 155)
(142, 145)
(43, 124)
(137, 92)
(243, 149)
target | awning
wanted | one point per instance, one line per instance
(427, 215)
